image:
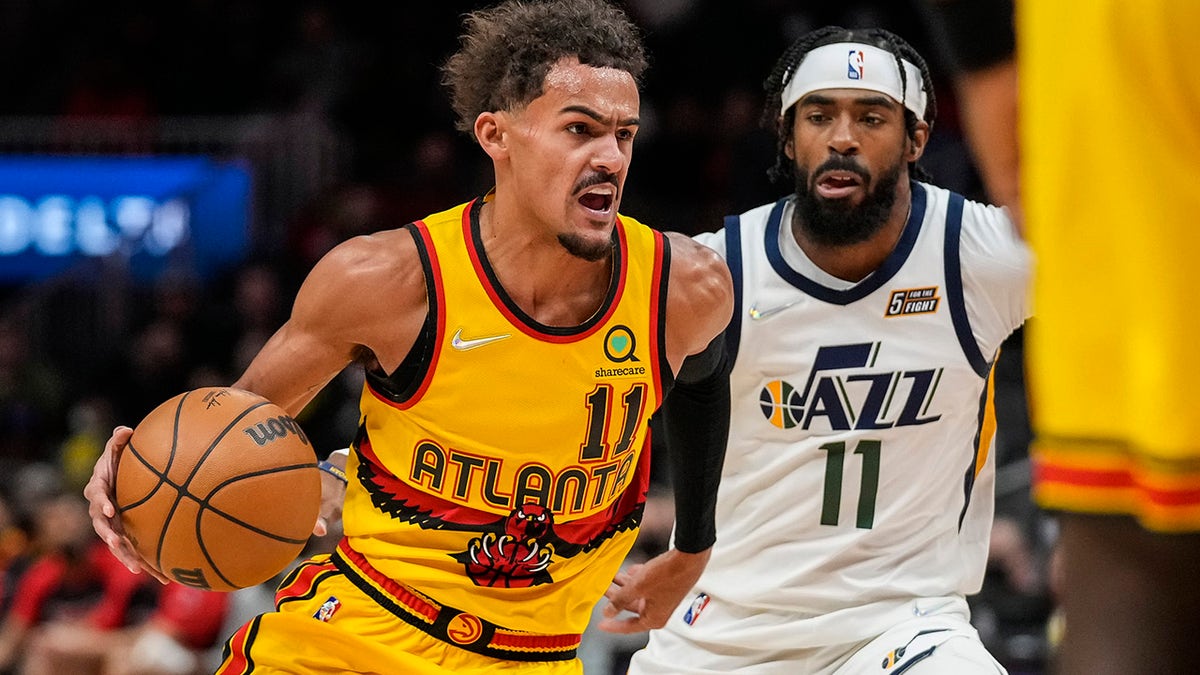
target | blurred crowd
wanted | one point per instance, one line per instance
(91, 349)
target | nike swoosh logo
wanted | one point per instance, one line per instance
(466, 345)
(760, 314)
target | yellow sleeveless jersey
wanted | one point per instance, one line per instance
(508, 478)
(1109, 143)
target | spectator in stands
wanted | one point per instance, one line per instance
(72, 579)
(185, 624)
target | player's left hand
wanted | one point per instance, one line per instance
(651, 591)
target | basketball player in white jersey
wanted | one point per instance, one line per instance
(856, 497)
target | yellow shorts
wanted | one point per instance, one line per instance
(1114, 367)
(332, 619)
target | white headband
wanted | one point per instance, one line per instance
(852, 65)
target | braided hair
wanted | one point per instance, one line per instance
(784, 168)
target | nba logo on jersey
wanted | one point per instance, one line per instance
(325, 613)
(697, 606)
(854, 64)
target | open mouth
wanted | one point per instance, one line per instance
(838, 184)
(598, 199)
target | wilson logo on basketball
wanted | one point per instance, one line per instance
(276, 427)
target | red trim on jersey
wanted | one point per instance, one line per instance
(440, 302)
(237, 659)
(410, 601)
(1047, 473)
(1083, 477)
(301, 582)
(473, 249)
(656, 318)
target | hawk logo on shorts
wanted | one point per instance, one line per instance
(327, 609)
(693, 611)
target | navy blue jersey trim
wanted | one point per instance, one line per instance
(891, 265)
(954, 287)
(733, 259)
(916, 658)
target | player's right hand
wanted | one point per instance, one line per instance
(99, 491)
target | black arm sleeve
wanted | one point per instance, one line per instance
(696, 422)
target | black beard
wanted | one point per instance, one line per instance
(836, 223)
(585, 249)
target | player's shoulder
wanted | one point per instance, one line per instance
(975, 214)
(375, 253)
(699, 278)
(990, 245)
(692, 257)
(982, 227)
(387, 261)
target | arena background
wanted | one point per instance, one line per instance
(169, 172)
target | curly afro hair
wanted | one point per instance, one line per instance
(508, 49)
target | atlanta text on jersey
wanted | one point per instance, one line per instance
(502, 484)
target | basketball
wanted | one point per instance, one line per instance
(218, 488)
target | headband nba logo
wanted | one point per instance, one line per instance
(854, 64)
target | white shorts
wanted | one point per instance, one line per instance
(931, 644)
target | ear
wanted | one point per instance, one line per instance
(789, 146)
(491, 133)
(916, 144)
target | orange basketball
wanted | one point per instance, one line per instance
(218, 488)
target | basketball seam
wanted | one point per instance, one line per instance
(162, 533)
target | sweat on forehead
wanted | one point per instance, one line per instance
(854, 65)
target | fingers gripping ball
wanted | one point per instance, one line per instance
(218, 488)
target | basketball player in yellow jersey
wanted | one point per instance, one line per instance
(1109, 141)
(515, 348)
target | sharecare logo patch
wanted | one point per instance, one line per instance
(913, 301)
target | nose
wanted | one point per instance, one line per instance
(842, 138)
(608, 154)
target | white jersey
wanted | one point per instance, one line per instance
(859, 472)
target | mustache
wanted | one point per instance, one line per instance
(842, 163)
(596, 178)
